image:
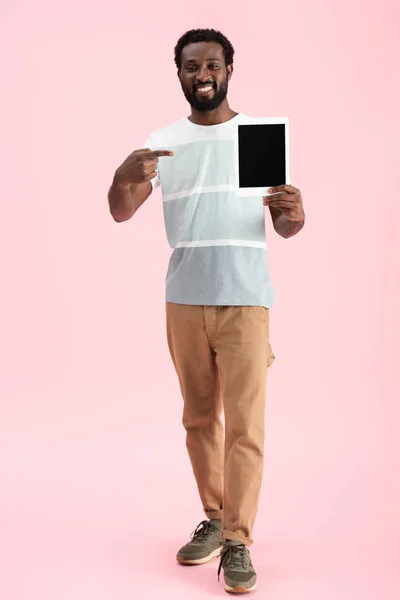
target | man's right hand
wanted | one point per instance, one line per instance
(139, 167)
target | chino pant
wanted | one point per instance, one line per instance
(221, 355)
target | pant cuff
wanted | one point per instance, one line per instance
(214, 514)
(236, 537)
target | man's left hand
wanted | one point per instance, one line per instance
(287, 199)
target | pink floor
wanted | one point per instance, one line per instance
(76, 523)
(80, 561)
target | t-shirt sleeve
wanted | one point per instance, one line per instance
(155, 182)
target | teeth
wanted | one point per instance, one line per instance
(205, 89)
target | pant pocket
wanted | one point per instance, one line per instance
(271, 355)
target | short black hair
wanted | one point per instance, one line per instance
(204, 35)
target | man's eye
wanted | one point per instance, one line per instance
(213, 66)
(191, 68)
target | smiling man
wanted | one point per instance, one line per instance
(218, 297)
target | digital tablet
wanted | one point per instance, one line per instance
(262, 155)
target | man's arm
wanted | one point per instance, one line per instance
(283, 225)
(132, 182)
(286, 208)
(125, 200)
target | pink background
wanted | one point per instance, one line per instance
(96, 489)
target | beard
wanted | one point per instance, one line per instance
(207, 104)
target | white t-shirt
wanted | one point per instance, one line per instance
(218, 237)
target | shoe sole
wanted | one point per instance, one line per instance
(240, 589)
(200, 561)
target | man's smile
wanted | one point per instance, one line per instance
(204, 90)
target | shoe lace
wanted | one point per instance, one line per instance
(202, 530)
(235, 557)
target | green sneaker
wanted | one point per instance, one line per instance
(206, 543)
(239, 574)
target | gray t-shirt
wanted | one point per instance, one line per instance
(220, 254)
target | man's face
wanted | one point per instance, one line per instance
(204, 76)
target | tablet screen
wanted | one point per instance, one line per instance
(262, 155)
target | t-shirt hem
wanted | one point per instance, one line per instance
(206, 302)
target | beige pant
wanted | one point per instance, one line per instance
(221, 355)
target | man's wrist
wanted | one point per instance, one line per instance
(287, 227)
(119, 183)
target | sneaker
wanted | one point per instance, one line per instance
(239, 574)
(206, 543)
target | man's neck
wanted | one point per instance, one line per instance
(214, 117)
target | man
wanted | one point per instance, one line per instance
(218, 296)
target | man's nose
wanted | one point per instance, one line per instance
(204, 74)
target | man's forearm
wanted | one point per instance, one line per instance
(287, 228)
(121, 201)
(124, 200)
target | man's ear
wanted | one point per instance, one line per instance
(229, 68)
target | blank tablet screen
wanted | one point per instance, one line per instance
(262, 155)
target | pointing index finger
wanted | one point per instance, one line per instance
(159, 153)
